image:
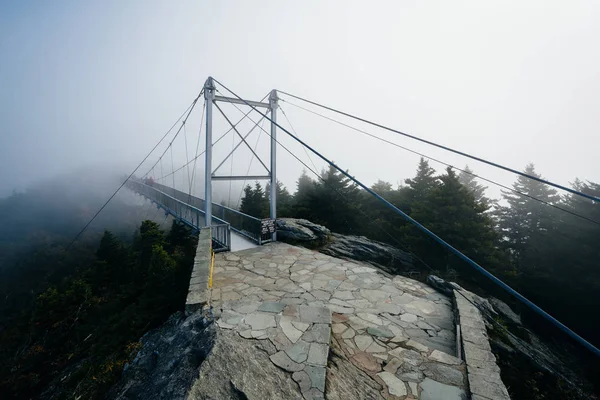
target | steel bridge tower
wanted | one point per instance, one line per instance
(211, 98)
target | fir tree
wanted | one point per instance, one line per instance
(469, 181)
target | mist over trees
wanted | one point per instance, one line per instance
(79, 312)
(548, 255)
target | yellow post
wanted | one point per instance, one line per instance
(212, 265)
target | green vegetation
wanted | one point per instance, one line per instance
(82, 315)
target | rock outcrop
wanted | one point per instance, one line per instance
(167, 364)
(359, 248)
(302, 232)
(238, 368)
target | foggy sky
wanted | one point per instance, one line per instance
(98, 83)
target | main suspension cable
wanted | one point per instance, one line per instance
(443, 163)
(482, 160)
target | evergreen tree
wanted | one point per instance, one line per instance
(255, 202)
(451, 212)
(525, 223)
(382, 188)
(303, 198)
(423, 182)
(336, 201)
(284, 200)
(469, 181)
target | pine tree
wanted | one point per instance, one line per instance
(284, 199)
(423, 182)
(450, 211)
(303, 198)
(469, 181)
(525, 223)
(255, 202)
(336, 201)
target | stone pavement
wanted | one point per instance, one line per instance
(398, 331)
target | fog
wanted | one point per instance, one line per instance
(97, 84)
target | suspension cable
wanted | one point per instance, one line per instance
(187, 158)
(443, 163)
(216, 141)
(189, 109)
(250, 164)
(296, 133)
(514, 171)
(197, 147)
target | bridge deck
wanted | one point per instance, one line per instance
(397, 330)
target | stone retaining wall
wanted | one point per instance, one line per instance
(198, 291)
(482, 371)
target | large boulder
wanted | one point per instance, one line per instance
(359, 248)
(305, 233)
(302, 232)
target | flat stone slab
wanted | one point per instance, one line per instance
(318, 353)
(259, 321)
(395, 386)
(317, 315)
(272, 307)
(299, 351)
(282, 360)
(432, 390)
(380, 332)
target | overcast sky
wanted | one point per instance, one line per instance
(98, 83)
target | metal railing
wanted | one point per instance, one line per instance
(186, 213)
(244, 224)
(221, 237)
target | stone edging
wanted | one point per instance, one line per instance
(482, 371)
(198, 291)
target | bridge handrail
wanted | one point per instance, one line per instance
(237, 212)
(177, 200)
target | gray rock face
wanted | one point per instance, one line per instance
(167, 365)
(306, 233)
(241, 369)
(503, 309)
(301, 231)
(360, 248)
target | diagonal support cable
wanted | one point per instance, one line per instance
(241, 137)
(239, 144)
(216, 141)
(197, 147)
(249, 166)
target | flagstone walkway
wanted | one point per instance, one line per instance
(395, 329)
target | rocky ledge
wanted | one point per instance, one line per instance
(305, 233)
